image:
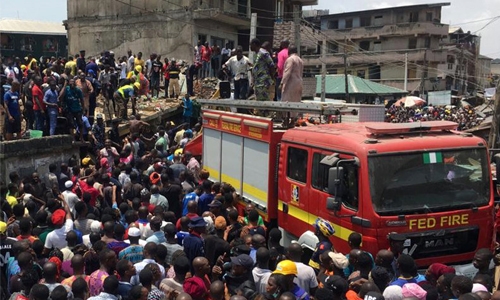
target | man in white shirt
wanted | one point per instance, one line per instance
(70, 197)
(149, 253)
(306, 277)
(61, 219)
(131, 61)
(239, 65)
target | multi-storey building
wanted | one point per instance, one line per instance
(377, 44)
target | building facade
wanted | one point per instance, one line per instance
(170, 28)
(19, 38)
(377, 44)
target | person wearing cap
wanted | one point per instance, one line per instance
(215, 207)
(134, 252)
(215, 244)
(240, 279)
(61, 219)
(6, 251)
(193, 243)
(70, 197)
(288, 269)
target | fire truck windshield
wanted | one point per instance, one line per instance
(427, 182)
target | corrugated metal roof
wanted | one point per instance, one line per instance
(31, 27)
(335, 84)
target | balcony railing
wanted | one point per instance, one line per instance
(401, 29)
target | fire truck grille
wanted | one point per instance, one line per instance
(442, 242)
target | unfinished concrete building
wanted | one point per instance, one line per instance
(167, 27)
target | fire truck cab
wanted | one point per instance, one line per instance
(423, 180)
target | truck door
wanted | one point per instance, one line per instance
(350, 204)
(294, 190)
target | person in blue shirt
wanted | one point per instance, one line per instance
(206, 198)
(72, 100)
(50, 98)
(13, 112)
(193, 243)
(193, 196)
(187, 104)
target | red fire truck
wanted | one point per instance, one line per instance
(423, 180)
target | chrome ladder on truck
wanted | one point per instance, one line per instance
(321, 109)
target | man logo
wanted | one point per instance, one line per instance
(439, 243)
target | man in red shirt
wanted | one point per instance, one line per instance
(38, 104)
(87, 186)
(206, 55)
(166, 74)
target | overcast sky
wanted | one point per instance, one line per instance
(460, 11)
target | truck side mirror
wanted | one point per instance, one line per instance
(332, 203)
(335, 175)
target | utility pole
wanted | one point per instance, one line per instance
(296, 22)
(423, 79)
(492, 138)
(253, 34)
(323, 70)
(347, 98)
(406, 72)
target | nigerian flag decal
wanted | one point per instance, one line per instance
(433, 158)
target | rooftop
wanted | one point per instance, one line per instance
(397, 8)
(31, 27)
(335, 85)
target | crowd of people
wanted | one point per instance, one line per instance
(38, 92)
(145, 222)
(465, 117)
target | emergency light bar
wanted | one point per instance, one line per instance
(379, 128)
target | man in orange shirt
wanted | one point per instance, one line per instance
(25, 227)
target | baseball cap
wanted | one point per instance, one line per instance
(339, 259)
(197, 222)
(58, 217)
(215, 203)
(68, 184)
(220, 223)
(134, 232)
(286, 267)
(243, 260)
(337, 284)
(3, 227)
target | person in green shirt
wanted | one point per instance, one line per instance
(249, 208)
(72, 99)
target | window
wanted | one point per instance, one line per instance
(348, 23)
(377, 46)
(413, 17)
(320, 180)
(412, 43)
(428, 17)
(297, 164)
(50, 45)
(364, 45)
(450, 59)
(377, 20)
(202, 38)
(366, 21)
(332, 48)
(334, 24)
(450, 66)
(6, 42)
(319, 173)
(361, 73)
(27, 44)
(427, 43)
